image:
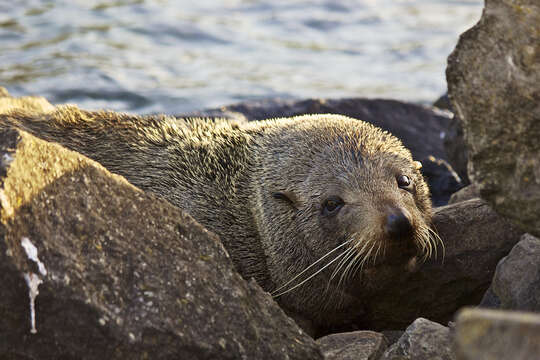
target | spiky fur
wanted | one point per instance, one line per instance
(224, 174)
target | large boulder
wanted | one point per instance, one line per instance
(91, 267)
(482, 334)
(494, 86)
(516, 284)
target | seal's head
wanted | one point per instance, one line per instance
(338, 196)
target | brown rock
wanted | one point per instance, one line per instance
(516, 284)
(423, 340)
(494, 86)
(497, 335)
(356, 345)
(124, 275)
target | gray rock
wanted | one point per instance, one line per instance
(497, 335)
(423, 340)
(456, 149)
(124, 275)
(516, 284)
(443, 102)
(442, 179)
(494, 86)
(475, 239)
(392, 335)
(357, 345)
(464, 194)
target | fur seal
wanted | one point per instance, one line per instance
(307, 206)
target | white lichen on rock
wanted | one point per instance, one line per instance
(32, 253)
(33, 280)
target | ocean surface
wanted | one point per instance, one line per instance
(148, 56)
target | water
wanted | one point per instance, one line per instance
(178, 56)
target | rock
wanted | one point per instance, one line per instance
(456, 149)
(497, 335)
(392, 335)
(357, 345)
(124, 275)
(475, 239)
(516, 284)
(422, 129)
(423, 339)
(443, 103)
(466, 193)
(442, 180)
(493, 80)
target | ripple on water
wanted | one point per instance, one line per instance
(176, 57)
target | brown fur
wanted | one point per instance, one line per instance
(225, 174)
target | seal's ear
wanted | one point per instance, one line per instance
(287, 197)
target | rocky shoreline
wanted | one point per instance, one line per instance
(95, 268)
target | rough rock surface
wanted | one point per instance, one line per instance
(516, 284)
(423, 340)
(482, 334)
(493, 80)
(442, 179)
(443, 102)
(475, 238)
(456, 149)
(124, 275)
(356, 345)
(421, 128)
(468, 192)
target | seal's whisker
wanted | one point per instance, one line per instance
(377, 253)
(343, 261)
(368, 255)
(311, 276)
(357, 262)
(423, 238)
(310, 266)
(436, 239)
(346, 272)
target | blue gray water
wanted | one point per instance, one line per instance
(146, 56)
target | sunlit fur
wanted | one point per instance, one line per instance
(225, 173)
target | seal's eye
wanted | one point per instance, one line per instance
(404, 182)
(332, 205)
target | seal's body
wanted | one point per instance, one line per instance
(290, 198)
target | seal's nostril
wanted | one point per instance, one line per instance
(398, 225)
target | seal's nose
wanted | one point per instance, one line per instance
(398, 225)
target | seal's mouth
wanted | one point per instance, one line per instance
(362, 254)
